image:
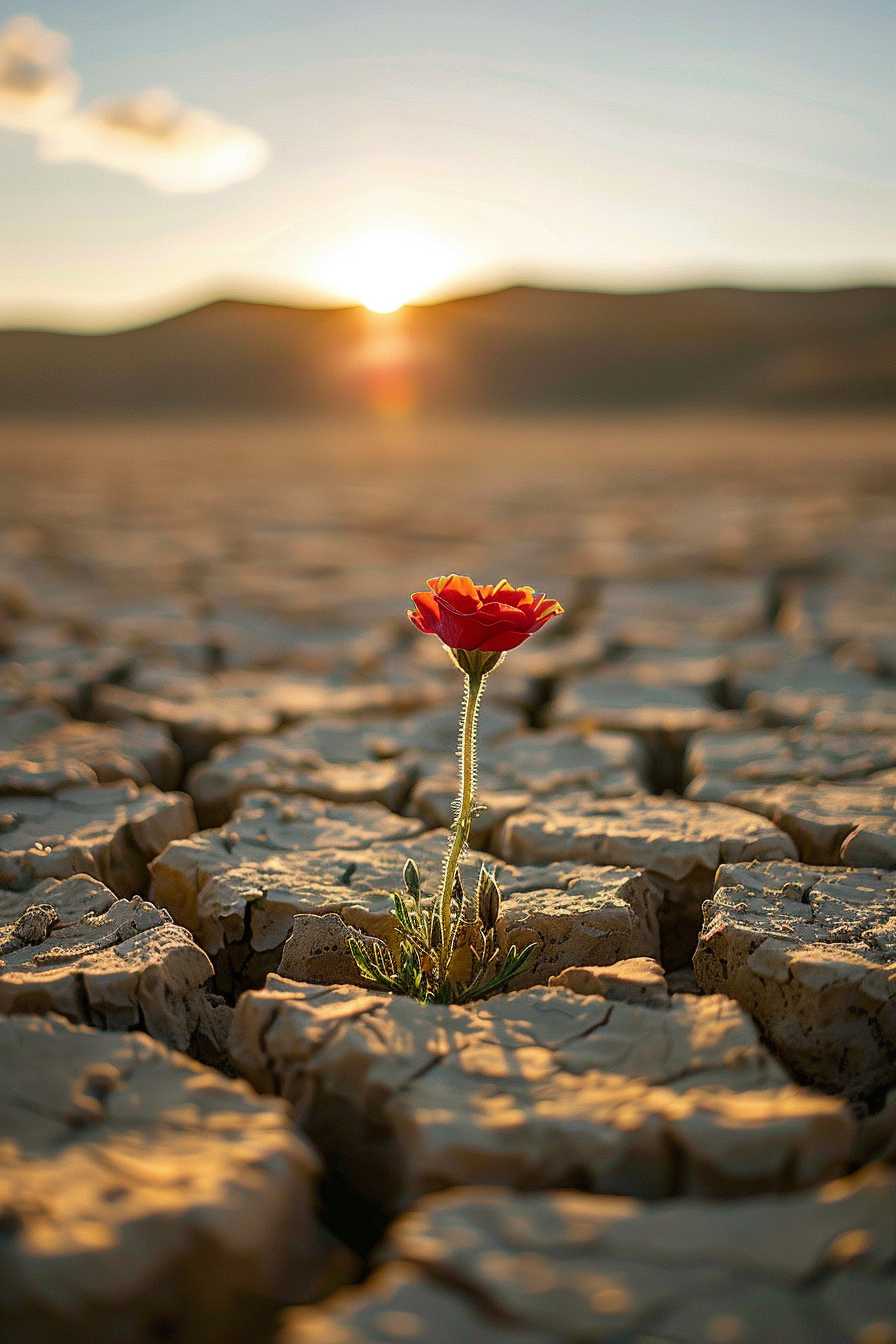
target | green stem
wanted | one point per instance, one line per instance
(473, 686)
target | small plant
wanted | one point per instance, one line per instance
(452, 950)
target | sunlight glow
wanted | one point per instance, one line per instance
(386, 267)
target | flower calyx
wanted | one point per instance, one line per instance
(475, 663)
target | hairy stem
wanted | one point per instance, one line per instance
(473, 686)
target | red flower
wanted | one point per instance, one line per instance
(493, 619)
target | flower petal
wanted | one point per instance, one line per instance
(489, 617)
(457, 591)
(427, 614)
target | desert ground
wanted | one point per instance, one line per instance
(220, 742)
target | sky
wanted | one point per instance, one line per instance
(324, 151)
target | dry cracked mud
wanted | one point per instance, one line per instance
(196, 586)
(668, 612)
(663, 716)
(71, 898)
(815, 692)
(143, 1195)
(63, 673)
(433, 732)
(680, 843)
(121, 966)
(244, 899)
(201, 712)
(498, 1267)
(219, 785)
(810, 953)
(39, 743)
(638, 980)
(109, 831)
(852, 824)
(526, 767)
(237, 885)
(538, 1089)
(572, 915)
(617, 704)
(719, 764)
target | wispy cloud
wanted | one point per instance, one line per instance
(37, 85)
(159, 139)
(152, 135)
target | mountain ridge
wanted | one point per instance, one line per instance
(522, 348)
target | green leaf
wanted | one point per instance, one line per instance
(416, 969)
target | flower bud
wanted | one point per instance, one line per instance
(412, 878)
(488, 900)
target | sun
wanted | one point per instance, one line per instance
(386, 267)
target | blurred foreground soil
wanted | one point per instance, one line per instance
(150, 507)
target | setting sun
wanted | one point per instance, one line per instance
(386, 267)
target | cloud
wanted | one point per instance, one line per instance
(171, 146)
(153, 136)
(37, 85)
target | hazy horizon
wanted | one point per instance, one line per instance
(172, 307)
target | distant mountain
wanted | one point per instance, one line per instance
(520, 349)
